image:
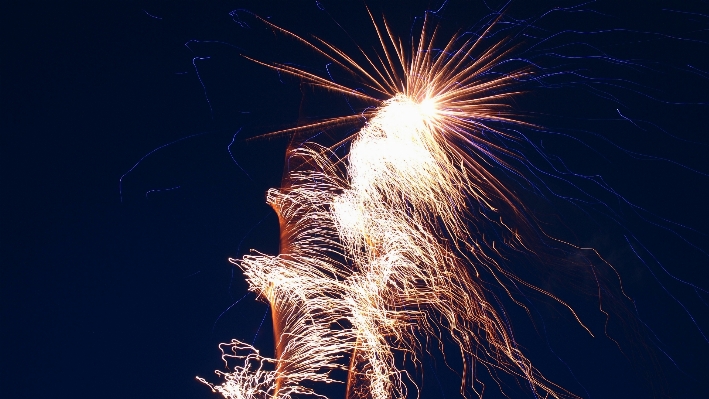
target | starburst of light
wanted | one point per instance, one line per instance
(380, 248)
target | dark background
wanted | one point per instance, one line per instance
(124, 290)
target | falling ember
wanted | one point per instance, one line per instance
(381, 248)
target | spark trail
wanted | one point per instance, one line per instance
(384, 246)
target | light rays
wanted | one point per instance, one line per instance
(383, 246)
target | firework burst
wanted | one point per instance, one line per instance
(383, 249)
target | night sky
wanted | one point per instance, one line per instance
(115, 279)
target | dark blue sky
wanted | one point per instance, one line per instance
(124, 290)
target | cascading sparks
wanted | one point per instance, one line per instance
(381, 248)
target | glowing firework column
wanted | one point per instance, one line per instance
(377, 251)
(368, 265)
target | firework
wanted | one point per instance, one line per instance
(382, 248)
